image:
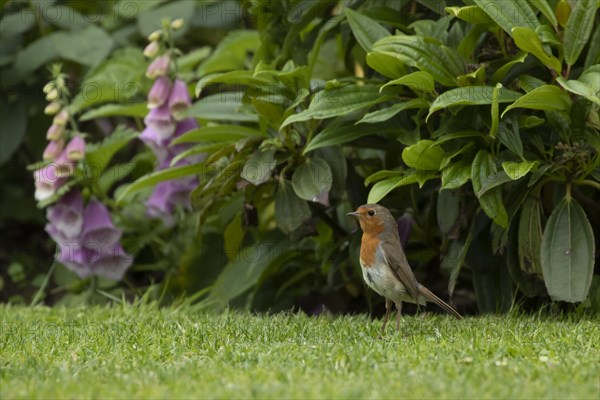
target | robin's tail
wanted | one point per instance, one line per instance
(423, 291)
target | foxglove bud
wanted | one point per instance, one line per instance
(53, 150)
(152, 49)
(76, 149)
(55, 132)
(52, 108)
(158, 67)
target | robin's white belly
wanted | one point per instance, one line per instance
(381, 279)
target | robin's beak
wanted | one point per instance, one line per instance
(353, 214)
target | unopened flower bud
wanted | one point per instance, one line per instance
(53, 150)
(154, 36)
(52, 108)
(52, 94)
(55, 132)
(61, 118)
(158, 67)
(151, 50)
(177, 24)
(76, 149)
(48, 87)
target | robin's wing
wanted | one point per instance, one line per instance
(396, 260)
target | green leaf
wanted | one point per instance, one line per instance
(443, 63)
(98, 155)
(567, 253)
(383, 174)
(231, 53)
(338, 101)
(13, 122)
(426, 155)
(509, 14)
(203, 148)
(387, 65)
(495, 110)
(456, 175)
(470, 14)
(455, 256)
(386, 113)
(530, 237)
(546, 10)
(471, 95)
(235, 78)
(447, 210)
(528, 40)
(593, 53)
(312, 179)
(419, 81)
(581, 88)
(335, 134)
(483, 170)
(517, 170)
(546, 97)
(501, 72)
(382, 188)
(366, 30)
(226, 106)
(578, 29)
(291, 212)
(259, 166)
(112, 110)
(151, 19)
(160, 176)
(509, 135)
(217, 133)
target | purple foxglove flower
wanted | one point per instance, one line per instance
(98, 228)
(167, 195)
(61, 118)
(55, 132)
(53, 150)
(112, 263)
(158, 67)
(65, 217)
(47, 181)
(151, 50)
(74, 257)
(64, 166)
(179, 100)
(76, 148)
(158, 146)
(160, 121)
(159, 93)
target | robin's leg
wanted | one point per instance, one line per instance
(398, 315)
(388, 309)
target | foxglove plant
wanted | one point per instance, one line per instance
(167, 100)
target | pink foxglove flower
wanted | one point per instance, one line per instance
(98, 228)
(76, 148)
(55, 132)
(65, 217)
(179, 101)
(53, 150)
(159, 93)
(158, 67)
(160, 121)
(47, 181)
(61, 118)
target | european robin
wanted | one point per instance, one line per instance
(384, 264)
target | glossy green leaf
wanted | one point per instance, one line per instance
(366, 30)
(546, 10)
(203, 148)
(383, 174)
(387, 65)
(160, 176)
(259, 166)
(443, 63)
(12, 125)
(471, 95)
(339, 134)
(581, 88)
(579, 28)
(528, 40)
(231, 53)
(447, 209)
(530, 237)
(546, 97)
(384, 187)
(484, 170)
(517, 170)
(419, 81)
(98, 155)
(470, 14)
(290, 210)
(426, 155)
(138, 110)
(312, 180)
(387, 113)
(495, 110)
(338, 101)
(509, 135)
(567, 253)
(593, 53)
(509, 14)
(456, 175)
(226, 106)
(217, 133)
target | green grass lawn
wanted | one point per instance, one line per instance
(133, 352)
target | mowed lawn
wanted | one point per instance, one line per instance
(147, 352)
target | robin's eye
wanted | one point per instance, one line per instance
(371, 213)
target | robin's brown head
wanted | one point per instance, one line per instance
(375, 219)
